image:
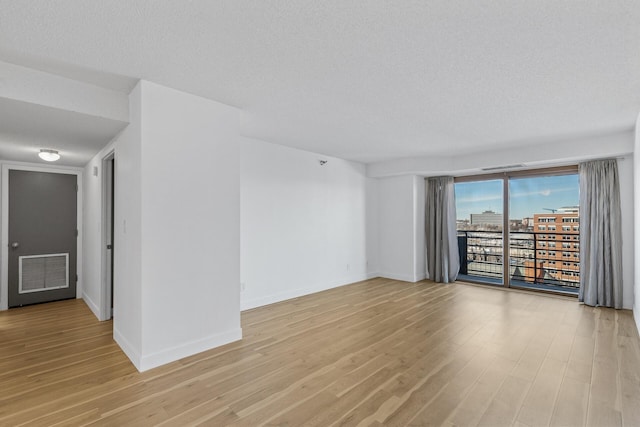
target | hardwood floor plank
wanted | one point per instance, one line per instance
(538, 405)
(444, 404)
(571, 404)
(473, 406)
(431, 386)
(505, 405)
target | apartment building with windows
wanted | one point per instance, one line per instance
(557, 247)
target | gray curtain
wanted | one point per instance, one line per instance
(442, 242)
(600, 234)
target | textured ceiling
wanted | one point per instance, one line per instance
(365, 80)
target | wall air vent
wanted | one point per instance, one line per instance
(38, 273)
(505, 167)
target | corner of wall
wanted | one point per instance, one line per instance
(420, 267)
(127, 349)
(154, 360)
(399, 276)
(91, 304)
(420, 277)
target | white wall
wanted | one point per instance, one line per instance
(304, 226)
(419, 237)
(93, 293)
(400, 230)
(190, 224)
(636, 180)
(625, 174)
(373, 226)
(127, 274)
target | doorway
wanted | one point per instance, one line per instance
(108, 221)
(40, 235)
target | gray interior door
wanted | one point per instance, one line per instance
(42, 237)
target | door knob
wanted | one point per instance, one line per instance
(15, 245)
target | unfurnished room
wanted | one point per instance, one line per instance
(319, 213)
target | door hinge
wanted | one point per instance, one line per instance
(76, 278)
(77, 188)
(76, 232)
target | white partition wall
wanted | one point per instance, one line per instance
(177, 227)
(190, 218)
(401, 227)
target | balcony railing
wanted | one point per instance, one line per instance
(548, 260)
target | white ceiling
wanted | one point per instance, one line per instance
(366, 80)
(26, 127)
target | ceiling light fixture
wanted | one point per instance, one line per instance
(49, 155)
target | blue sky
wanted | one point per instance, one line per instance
(528, 195)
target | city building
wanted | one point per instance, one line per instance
(487, 218)
(557, 247)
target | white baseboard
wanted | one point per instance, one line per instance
(92, 305)
(127, 348)
(246, 304)
(188, 349)
(373, 275)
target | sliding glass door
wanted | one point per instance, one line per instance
(544, 231)
(538, 211)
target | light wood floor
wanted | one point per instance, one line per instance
(374, 353)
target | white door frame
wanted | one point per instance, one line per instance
(105, 308)
(4, 239)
